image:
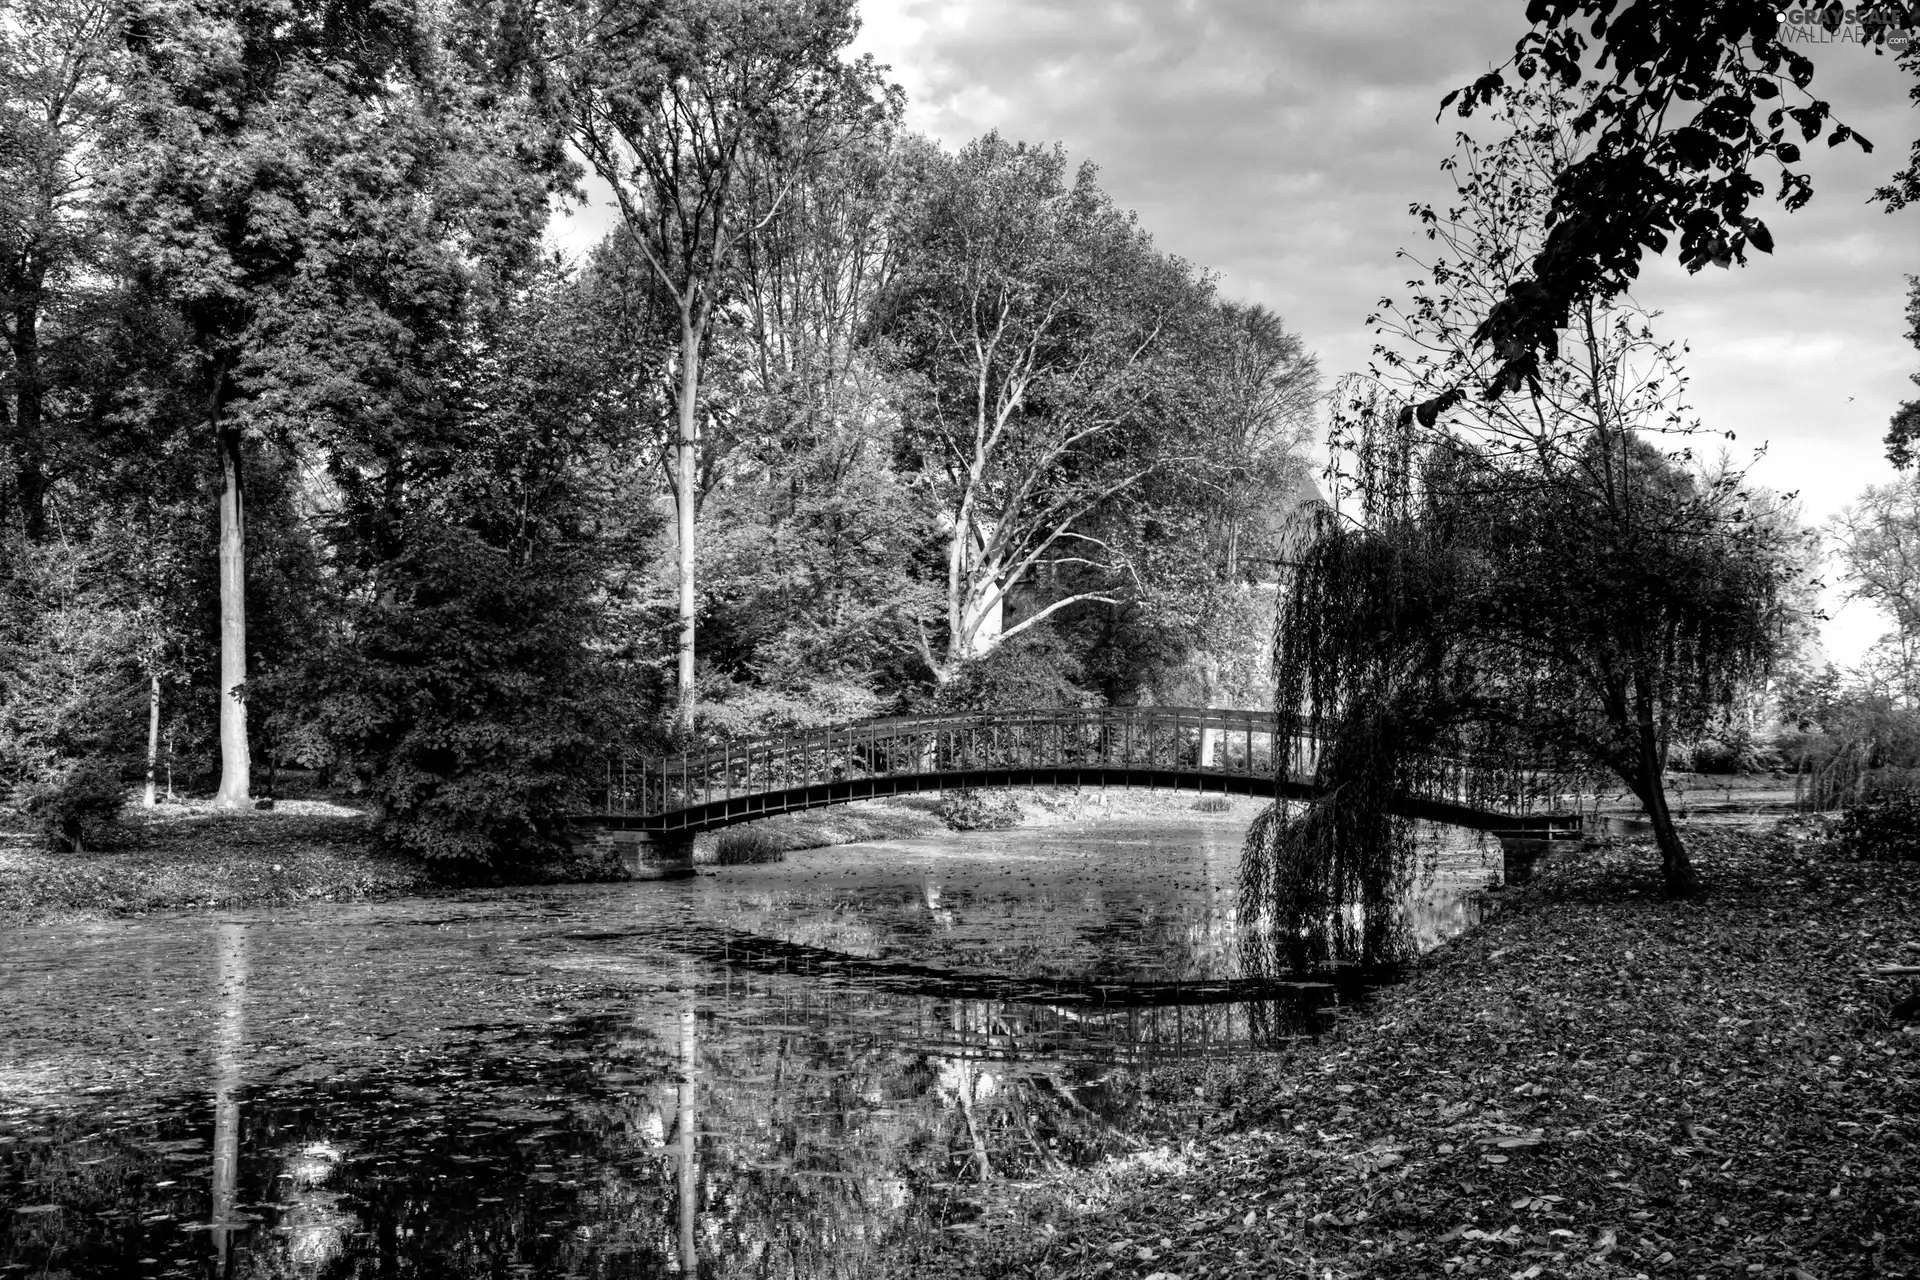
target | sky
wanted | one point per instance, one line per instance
(1279, 145)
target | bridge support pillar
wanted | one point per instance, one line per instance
(1522, 851)
(646, 855)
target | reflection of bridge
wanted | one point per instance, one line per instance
(652, 808)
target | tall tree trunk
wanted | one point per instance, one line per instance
(686, 459)
(153, 740)
(235, 774)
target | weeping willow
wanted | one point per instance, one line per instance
(1492, 630)
(1378, 665)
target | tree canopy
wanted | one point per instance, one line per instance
(317, 459)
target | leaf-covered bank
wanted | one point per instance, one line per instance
(180, 857)
(186, 857)
(1595, 1083)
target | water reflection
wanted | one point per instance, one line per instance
(229, 1045)
(815, 1069)
(688, 1129)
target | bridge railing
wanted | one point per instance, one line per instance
(1153, 738)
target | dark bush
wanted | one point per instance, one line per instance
(1883, 828)
(1030, 670)
(77, 803)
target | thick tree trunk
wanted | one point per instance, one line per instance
(235, 773)
(685, 462)
(151, 797)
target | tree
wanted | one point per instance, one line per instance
(1695, 99)
(211, 188)
(812, 576)
(672, 104)
(1265, 388)
(1878, 541)
(59, 63)
(482, 666)
(306, 187)
(1904, 429)
(1522, 581)
(1039, 325)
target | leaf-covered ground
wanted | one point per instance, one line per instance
(1597, 1083)
(178, 857)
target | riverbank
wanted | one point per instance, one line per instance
(184, 857)
(1595, 1083)
(180, 857)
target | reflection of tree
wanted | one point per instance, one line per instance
(688, 1191)
(811, 1128)
(229, 1048)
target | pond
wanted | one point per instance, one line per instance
(802, 1069)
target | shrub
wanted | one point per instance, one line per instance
(1883, 828)
(979, 811)
(76, 803)
(477, 697)
(1033, 669)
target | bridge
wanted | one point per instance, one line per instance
(650, 809)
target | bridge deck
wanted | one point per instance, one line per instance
(1225, 752)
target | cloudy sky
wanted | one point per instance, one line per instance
(1279, 144)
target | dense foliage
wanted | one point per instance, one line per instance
(315, 458)
(1690, 103)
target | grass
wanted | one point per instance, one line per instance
(746, 846)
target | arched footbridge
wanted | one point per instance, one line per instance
(652, 808)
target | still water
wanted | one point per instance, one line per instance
(815, 1068)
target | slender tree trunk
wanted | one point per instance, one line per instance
(29, 452)
(229, 1052)
(153, 740)
(1210, 738)
(686, 460)
(687, 1132)
(1675, 866)
(235, 780)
